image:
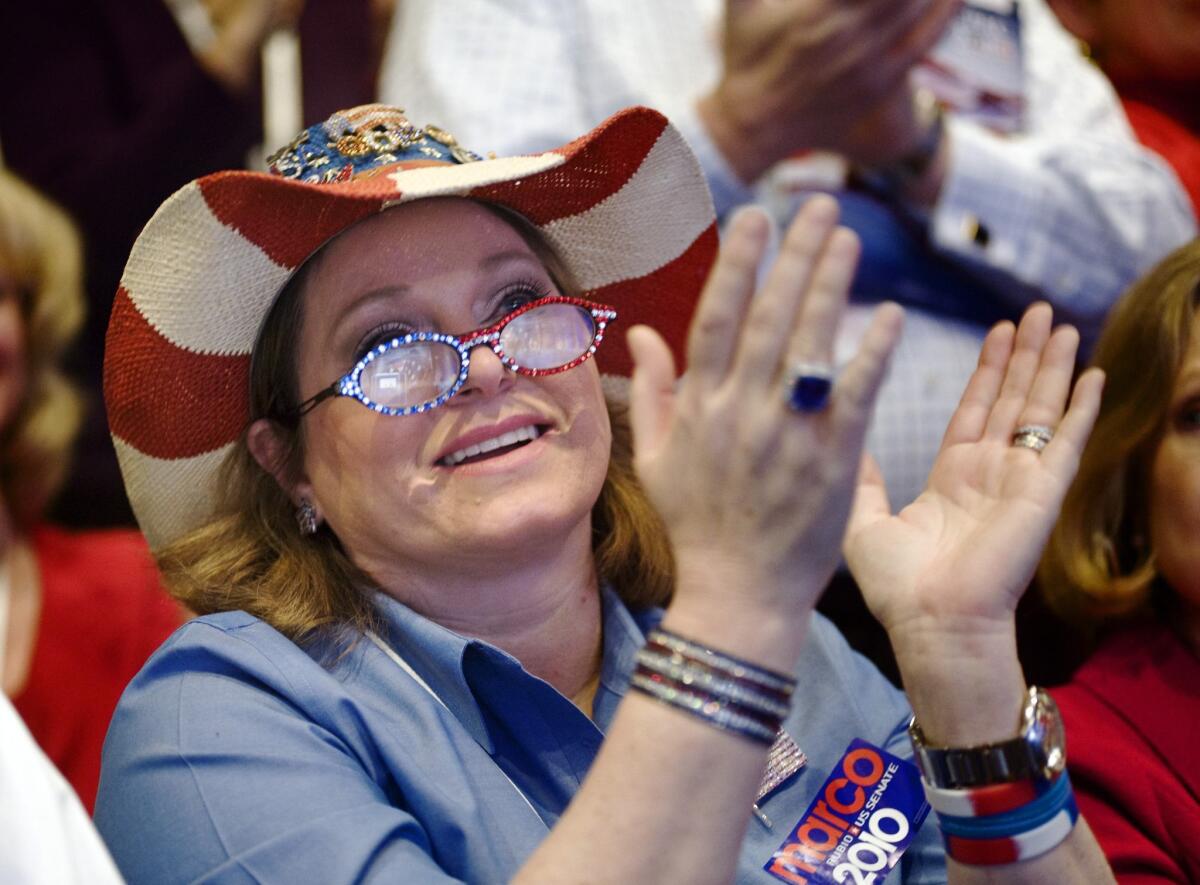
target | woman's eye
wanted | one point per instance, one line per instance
(1188, 417)
(519, 295)
(380, 335)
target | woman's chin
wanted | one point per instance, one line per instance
(534, 518)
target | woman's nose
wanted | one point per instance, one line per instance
(486, 375)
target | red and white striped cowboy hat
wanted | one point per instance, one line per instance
(625, 206)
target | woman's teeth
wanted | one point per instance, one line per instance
(512, 438)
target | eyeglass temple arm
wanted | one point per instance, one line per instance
(313, 401)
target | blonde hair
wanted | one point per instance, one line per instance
(252, 557)
(1098, 565)
(39, 249)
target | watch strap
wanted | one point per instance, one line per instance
(966, 767)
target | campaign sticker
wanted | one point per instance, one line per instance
(863, 818)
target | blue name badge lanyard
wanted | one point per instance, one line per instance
(863, 818)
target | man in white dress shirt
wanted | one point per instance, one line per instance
(1070, 208)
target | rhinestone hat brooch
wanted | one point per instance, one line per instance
(352, 143)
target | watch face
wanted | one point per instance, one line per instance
(1046, 737)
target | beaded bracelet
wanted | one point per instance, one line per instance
(761, 677)
(723, 715)
(711, 682)
(726, 692)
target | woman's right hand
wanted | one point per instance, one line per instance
(755, 495)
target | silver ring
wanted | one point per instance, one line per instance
(809, 386)
(1032, 436)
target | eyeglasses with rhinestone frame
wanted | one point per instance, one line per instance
(492, 337)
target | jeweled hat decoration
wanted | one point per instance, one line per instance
(626, 207)
(356, 141)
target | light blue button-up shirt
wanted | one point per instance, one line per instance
(234, 756)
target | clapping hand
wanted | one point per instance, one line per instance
(945, 574)
(819, 74)
(754, 494)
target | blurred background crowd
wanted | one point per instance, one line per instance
(1042, 150)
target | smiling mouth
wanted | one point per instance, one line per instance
(494, 447)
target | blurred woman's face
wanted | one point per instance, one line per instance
(403, 490)
(1175, 486)
(12, 349)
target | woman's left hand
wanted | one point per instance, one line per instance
(945, 574)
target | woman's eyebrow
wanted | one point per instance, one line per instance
(490, 262)
(392, 290)
(396, 290)
(342, 327)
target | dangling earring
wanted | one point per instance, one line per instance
(306, 517)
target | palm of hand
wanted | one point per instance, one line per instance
(963, 552)
(966, 547)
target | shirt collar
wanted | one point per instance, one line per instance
(436, 654)
(624, 634)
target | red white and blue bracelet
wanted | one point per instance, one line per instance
(1002, 802)
(1020, 833)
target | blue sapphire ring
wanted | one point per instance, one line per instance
(809, 386)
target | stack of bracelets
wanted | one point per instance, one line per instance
(1006, 822)
(725, 692)
(1002, 803)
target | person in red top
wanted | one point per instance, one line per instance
(79, 612)
(1151, 52)
(1124, 556)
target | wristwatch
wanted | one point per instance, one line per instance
(1038, 753)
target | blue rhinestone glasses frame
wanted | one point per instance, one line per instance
(492, 337)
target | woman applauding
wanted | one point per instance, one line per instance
(476, 609)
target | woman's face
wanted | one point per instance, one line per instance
(12, 348)
(1175, 486)
(383, 483)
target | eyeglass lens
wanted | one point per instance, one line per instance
(548, 336)
(408, 375)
